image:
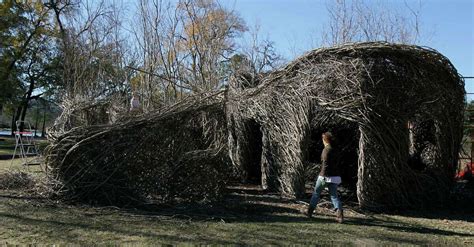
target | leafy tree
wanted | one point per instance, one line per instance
(11, 49)
(468, 128)
(27, 51)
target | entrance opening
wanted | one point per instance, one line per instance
(421, 142)
(254, 152)
(347, 141)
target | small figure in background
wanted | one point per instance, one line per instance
(135, 103)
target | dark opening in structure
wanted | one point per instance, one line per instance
(422, 143)
(254, 152)
(346, 140)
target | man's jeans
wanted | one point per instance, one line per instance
(320, 184)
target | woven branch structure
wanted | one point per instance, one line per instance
(396, 110)
(178, 153)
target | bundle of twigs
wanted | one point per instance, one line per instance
(177, 153)
(370, 92)
(77, 111)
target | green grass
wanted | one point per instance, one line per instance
(7, 145)
(253, 220)
(7, 141)
(17, 164)
(6, 151)
(244, 218)
(29, 223)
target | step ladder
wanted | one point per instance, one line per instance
(25, 145)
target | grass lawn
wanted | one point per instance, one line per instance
(245, 218)
(29, 221)
(6, 151)
(17, 165)
(7, 144)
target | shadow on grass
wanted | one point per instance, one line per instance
(460, 206)
(237, 213)
(179, 228)
(62, 230)
(404, 227)
(253, 206)
(267, 215)
(255, 202)
(243, 205)
(459, 214)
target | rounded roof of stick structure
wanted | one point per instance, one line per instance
(342, 76)
(378, 86)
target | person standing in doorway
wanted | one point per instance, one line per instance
(329, 177)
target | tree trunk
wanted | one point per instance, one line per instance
(25, 102)
(13, 126)
(36, 120)
(43, 130)
(24, 108)
(16, 115)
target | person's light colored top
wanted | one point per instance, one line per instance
(334, 179)
(134, 103)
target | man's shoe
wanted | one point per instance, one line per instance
(340, 216)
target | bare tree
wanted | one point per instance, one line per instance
(261, 52)
(256, 57)
(209, 36)
(363, 20)
(158, 79)
(182, 48)
(94, 60)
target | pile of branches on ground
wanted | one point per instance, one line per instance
(176, 153)
(399, 109)
(27, 183)
(16, 180)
